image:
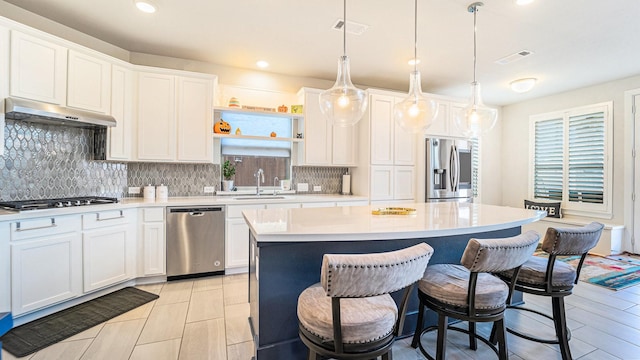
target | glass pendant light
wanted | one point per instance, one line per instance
(343, 104)
(476, 118)
(415, 113)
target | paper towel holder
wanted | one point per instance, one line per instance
(346, 184)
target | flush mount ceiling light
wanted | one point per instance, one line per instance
(146, 6)
(476, 118)
(523, 85)
(415, 113)
(343, 104)
(262, 64)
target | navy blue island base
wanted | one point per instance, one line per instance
(280, 271)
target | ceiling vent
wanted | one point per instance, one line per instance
(514, 57)
(352, 27)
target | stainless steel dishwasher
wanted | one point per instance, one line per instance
(195, 241)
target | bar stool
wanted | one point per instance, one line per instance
(470, 293)
(554, 278)
(350, 314)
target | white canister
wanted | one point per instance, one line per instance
(149, 192)
(162, 192)
(285, 185)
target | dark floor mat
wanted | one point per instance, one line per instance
(38, 334)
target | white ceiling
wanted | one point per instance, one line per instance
(576, 43)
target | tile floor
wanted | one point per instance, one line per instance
(207, 319)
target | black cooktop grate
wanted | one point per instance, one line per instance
(57, 203)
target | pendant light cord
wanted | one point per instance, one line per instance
(475, 12)
(344, 28)
(415, 36)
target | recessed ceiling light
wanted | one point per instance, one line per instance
(523, 85)
(523, 2)
(262, 64)
(414, 62)
(146, 6)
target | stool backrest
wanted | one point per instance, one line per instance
(495, 255)
(572, 241)
(363, 275)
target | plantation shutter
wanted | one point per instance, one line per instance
(586, 158)
(548, 159)
(475, 165)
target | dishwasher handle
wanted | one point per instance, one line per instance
(196, 211)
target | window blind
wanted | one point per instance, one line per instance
(586, 158)
(548, 159)
(475, 165)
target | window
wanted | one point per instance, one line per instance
(475, 165)
(572, 159)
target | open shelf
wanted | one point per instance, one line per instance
(256, 112)
(254, 137)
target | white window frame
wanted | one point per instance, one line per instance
(603, 210)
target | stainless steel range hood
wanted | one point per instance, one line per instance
(33, 111)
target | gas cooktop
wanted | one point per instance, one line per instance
(56, 203)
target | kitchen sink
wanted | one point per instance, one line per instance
(264, 197)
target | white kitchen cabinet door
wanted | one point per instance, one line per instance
(156, 117)
(404, 147)
(153, 249)
(88, 83)
(382, 183)
(382, 127)
(404, 183)
(237, 245)
(38, 69)
(345, 146)
(194, 109)
(45, 271)
(108, 256)
(442, 123)
(121, 135)
(4, 79)
(317, 131)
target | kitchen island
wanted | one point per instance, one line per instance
(287, 245)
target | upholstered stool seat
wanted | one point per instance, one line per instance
(533, 272)
(350, 314)
(363, 319)
(468, 292)
(553, 278)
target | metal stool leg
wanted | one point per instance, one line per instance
(419, 326)
(473, 341)
(501, 338)
(441, 347)
(560, 322)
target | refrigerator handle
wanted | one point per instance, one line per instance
(454, 168)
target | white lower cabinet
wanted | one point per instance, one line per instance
(391, 182)
(46, 262)
(236, 245)
(109, 248)
(151, 242)
(404, 187)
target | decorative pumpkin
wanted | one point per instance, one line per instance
(283, 108)
(221, 127)
(273, 134)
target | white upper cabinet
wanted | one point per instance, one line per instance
(38, 69)
(120, 136)
(4, 79)
(444, 124)
(381, 120)
(88, 83)
(325, 144)
(175, 118)
(156, 117)
(404, 146)
(194, 119)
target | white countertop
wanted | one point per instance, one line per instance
(357, 222)
(8, 215)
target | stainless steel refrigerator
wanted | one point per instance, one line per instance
(449, 170)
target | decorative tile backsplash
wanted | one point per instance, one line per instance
(47, 161)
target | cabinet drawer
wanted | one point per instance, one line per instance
(153, 214)
(236, 211)
(105, 218)
(30, 228)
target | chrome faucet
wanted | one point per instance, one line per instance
(275, 180)
(259, 174)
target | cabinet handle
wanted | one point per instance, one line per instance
(53, 224)
(113, 218)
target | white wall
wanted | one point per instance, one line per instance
(515, 138)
